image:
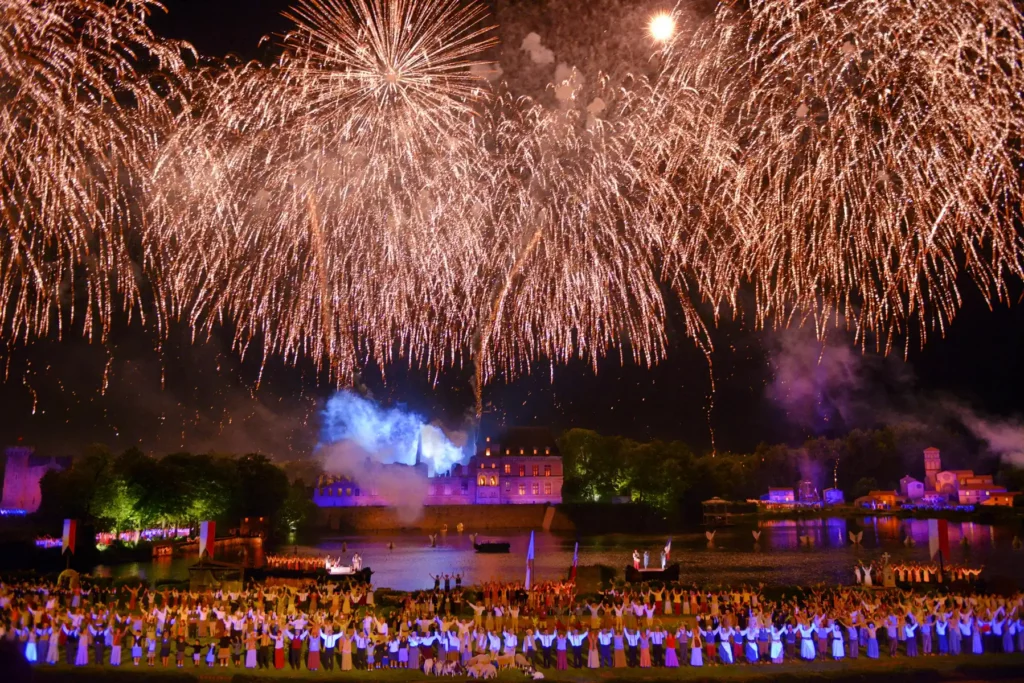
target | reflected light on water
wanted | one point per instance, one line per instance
(778, 558)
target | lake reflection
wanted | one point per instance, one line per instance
(788, 552)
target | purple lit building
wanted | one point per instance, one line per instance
(22, 473)
(522, 466)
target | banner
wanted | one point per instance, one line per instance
(575, 561)
(529, 563)
(68, 540)
(207, 538)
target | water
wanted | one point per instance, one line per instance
(780, 559)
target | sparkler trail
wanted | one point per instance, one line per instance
(79, 120)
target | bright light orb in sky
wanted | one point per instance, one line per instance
(662, 27)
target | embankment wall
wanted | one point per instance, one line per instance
(474, 517)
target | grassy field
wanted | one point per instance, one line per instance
(918, 670)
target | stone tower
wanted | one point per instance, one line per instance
(21, 480)
(932, 465)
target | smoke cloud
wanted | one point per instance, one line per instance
(831, 387)
(369, 444)
(1003, 437)
(537, 52)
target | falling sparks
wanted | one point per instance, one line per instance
(370, 197)
(73, 155)
(879, 156)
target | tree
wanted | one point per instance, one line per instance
(262, 486)
(593, 465)
(298, 508)
(864, 486)
(116, 505)
(68, 493)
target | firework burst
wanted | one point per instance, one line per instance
(571, 272)
(879, 154)
(78, 122)
(334, 211)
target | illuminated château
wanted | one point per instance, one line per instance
(522, 466)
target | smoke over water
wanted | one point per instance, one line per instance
(367, 443)
(828, 388)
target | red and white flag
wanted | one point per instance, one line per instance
(938, 538)
(668, 549)
(529, 563)
(207, 537)
(70, 532)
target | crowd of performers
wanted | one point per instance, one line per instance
(915, 572)
(310, 563)
(339, 626)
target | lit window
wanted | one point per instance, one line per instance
(481, 465)
(536, 470)
(488, 439)
(348, 492)
(481, 481)
(508, 468)
(547, 451)
(508, 451)
(547, 470)
(494, 481)
(520, 451)
(522, 470)
(508, 486)
(536, 489)
(547, 488)
(535, 451)
(522, 489)
(487, 452)
(494, 465)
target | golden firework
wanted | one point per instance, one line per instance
(79, 120)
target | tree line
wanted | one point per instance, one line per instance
(133, 490)
(670, 477)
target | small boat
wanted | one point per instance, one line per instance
(669, 573)
(487, 547)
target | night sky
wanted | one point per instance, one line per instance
(198, 395)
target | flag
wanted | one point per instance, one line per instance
(68, 540)
(938, 538)
(575, 561)
(529, 563)
(207, 538)
(668, 549)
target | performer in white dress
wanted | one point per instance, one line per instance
(806, 641)
(838, 651)
(776, 647)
